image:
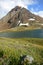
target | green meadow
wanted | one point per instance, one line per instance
(12, 48)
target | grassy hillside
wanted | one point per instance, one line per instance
(21, 28)
(12, 49)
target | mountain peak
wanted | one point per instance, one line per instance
(20, 15)
(16, 8)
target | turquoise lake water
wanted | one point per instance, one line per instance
(24, 34)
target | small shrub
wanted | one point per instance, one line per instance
(12, 61)
(1, 53)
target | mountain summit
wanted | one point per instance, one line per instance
(19, 16)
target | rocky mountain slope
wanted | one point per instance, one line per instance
(20, 17)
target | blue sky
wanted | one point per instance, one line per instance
(38, 6)
(35, 6)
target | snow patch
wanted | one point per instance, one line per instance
(18, 22)
(41, 24)
(24, 24)
(31, 19)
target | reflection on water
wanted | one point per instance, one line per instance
(29, 34)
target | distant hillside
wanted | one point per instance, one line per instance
(20, 16)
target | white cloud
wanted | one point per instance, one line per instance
(39, 13)
(7, 5)
(12, 3)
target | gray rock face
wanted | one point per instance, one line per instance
(26, 59)
(30, 59)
